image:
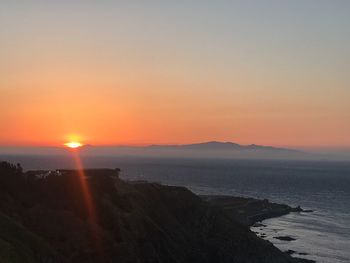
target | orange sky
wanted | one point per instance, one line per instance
(128, 75)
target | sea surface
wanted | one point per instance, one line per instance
(322, 186)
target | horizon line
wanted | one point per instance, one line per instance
(315, 147)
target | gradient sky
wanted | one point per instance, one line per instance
(141, 72)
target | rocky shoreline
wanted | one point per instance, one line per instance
(251, 212)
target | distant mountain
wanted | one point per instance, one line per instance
(215, 145)
(202, 146)
(216, 149)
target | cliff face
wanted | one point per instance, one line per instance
(124, 222)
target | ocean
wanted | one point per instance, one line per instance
(322, 186)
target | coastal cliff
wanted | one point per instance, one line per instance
(50, 218)
(248, 211)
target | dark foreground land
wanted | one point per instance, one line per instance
(96, 217)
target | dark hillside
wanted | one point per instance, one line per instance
(48, 220)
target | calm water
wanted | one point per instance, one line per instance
(321, 186)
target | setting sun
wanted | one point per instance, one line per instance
(73, 145)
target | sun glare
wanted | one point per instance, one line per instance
(73, 145)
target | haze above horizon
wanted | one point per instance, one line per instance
(157, 72)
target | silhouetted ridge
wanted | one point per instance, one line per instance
(215, 145)
(45, 220)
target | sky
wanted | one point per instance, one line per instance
(175, 72)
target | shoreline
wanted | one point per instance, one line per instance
(252, 212)
(249, 211)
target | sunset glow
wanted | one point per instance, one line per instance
(117, 116)
(263, 76)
